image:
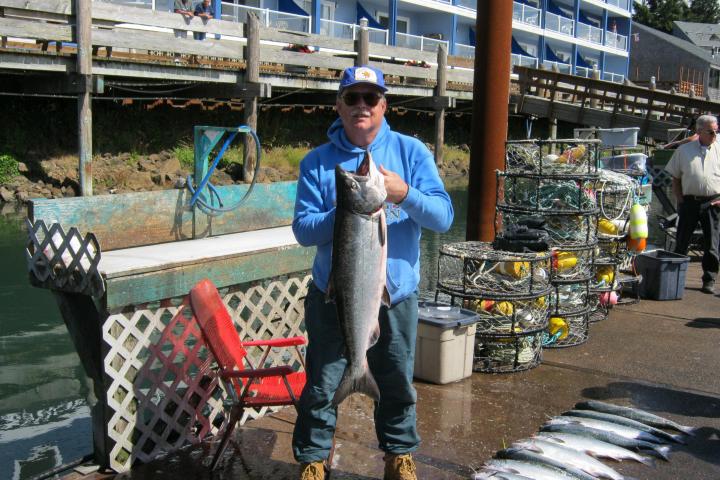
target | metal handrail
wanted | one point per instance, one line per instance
(526, 14)
(268, 18)
(417, 42)
(616, 40)
(559, 24)
(589, 32)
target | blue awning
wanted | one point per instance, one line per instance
(288, 6)
(471, 37)
(553, 8)
(372, 23)
(581, 62)
(551, 56)
(517, 49)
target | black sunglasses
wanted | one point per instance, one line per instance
(353, 98)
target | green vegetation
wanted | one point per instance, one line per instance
(185, 155)
(8, 168)
(660, 14)
(284, 156)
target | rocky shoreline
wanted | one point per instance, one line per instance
(57, 177)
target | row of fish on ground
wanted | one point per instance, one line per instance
(569, 446)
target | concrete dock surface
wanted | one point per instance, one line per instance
(658, 356)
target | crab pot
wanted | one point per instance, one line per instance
(474, 270)
(611, 248)
(578, 329)
(513, 352)
(572, 263)
(629, 286)
(575, 230)
(604, 275)
(552, 157)
(569, 298)
(538, 194)
(599, 306)
(510, 316)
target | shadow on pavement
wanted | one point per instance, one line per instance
(704, 323)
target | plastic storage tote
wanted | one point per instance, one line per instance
(663, 274)
(445, 343)
(619, 137)
(630, 161)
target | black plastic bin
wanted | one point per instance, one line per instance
(663, 274)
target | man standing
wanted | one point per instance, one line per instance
(204, 11)
(416, 198)
(184, 8)
(695, 168)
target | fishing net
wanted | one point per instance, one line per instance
(605, 276)
(610, 249)
(513, 353)
(536, 194)
(599, 309)
(474, 270)
(510, 316)
(616, 193)
(567, 330)
(575, 230)
(552, 157)
(572, 263)
(570, 298)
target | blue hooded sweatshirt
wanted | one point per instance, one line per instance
(426, 205)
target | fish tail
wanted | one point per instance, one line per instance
(686, 430)
(661, 451)
(356, 384)
(650, 462)
(677, 438)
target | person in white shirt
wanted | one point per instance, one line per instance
(695, 170)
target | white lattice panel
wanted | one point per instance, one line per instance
(162, 391)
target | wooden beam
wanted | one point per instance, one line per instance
(83, 24)
(362, 44)
(440, 91)
(252, 74)
(234, 270)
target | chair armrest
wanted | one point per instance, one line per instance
(276, 342)
(260, 372)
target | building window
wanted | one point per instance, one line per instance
(714, 80)
(402, 24)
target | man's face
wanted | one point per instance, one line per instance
(708, 133)
(206, 3)
(358, 115)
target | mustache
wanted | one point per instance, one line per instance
(360, 112)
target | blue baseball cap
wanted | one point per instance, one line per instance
(365, 74)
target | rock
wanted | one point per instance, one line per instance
(158, 179)
(69, 192)
(146, 165)
(169, 165)
(22, 168)
(6, 195)
(154, 157)
(180, 182)
(21, 197)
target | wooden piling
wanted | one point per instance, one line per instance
(83, 20)
(362, 44)
(252, 75)
(440, 91)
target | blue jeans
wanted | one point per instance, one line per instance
(391, 361)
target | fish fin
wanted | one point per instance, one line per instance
(348, 385)
(385, 299)
(686, 430)
(678, 439)
(661, 451)
(650, 462)
(374, 335)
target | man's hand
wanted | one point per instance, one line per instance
(395, 186)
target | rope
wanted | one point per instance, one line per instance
(215, 211)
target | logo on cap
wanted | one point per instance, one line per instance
(363, 74)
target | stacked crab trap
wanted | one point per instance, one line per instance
(510, 293)
(550, 185)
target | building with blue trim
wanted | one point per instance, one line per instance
(575, 36)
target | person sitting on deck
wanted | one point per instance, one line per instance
(204, 11)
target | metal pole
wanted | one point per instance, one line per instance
(252, 75)
(440, 91)
(491, 90)
(83, 22)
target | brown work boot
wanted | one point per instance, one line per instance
(399, 467)
(312, 471)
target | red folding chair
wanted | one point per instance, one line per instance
(247, 386)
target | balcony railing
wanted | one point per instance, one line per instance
(351, 31)
(268, 18)
(589, 33)
(624, 4)
(562, 67)
(526, 14)
(467, 51)
(616, 40)
(559, 24)
(613, 77)
(418, 43)
(584, 72)
(469, 4)
(522, 60)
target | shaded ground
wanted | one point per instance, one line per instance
(659, 356)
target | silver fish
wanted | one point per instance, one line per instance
(648, 448)
(531, 456)
(357, 278)
(593, 446)
(609, 417)
(536, 471)
(623, 430)
(635, 414)
(495, 475)
(568, 456)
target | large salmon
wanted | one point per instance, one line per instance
(357, 278)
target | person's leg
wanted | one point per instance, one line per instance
(392, 362)
(688, 213)
(710, 222)
(324, 365)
